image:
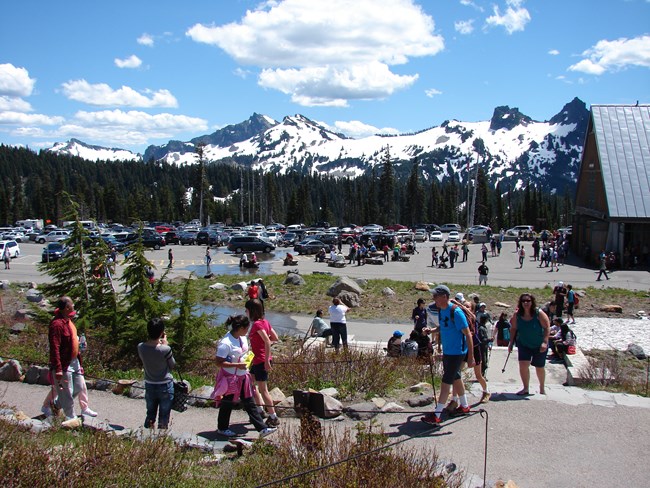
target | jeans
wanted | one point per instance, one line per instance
(159, 398)
(225, 409)
(339, 334)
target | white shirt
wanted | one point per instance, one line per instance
(232, 349)
(337, 313)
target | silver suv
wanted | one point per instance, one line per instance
(54, 236)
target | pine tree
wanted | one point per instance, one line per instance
(414, 198)
(387, 190)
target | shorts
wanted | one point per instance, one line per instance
(536, 358)
(451, 365)
(259, 372)
(482, 279)
(477, 356)
(569, 310)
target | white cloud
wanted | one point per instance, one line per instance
(431, 92)
(615, 55)
(514, 19)
(470, 3)
(242, 73)
(357, 129)
(554, 52)
(14, 104)
(20, 118)
(131, 62)
(15, 82)
(464, 26)
(145, 40)
(321, 52)
(100, 94)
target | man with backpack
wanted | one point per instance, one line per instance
(455, 342)
(483, 271)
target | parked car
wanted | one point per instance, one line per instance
(288, 239)
(526, 230)
(185, 237)
(478, 230)
(171, 237)
(149, 239)
(453, 236)
(450, 227)
(11, 247)
(14, 236)
(435, 236)
(309, 246)
(53, 252)
(111, 242)
(240, 244)
(207, 237)
(53, 236)
(420, 235)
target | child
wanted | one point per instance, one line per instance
(158, 360)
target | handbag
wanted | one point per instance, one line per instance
(181, 395)
(571, 349)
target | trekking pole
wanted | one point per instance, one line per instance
(504, 364)
(433, 383)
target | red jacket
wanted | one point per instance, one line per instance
(61, 343)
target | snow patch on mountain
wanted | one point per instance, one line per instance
(75, 147)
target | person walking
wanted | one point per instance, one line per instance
(158, 361)
(603, 267)
(234, 383)
(456, 345)
(465, 250)
(484, 251)
(522, 256)
(170, 257)
(208, 257)
(530, 329)
(453, 253)
(338, 323)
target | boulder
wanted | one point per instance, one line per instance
(392, 407)
(217, 286)
(333, 407)
(11, 371)
(419, 387)
(17, 328)
(201, 397)
(388, 292)
(420, 401)
(611, 308)
(241, 286)
(34, 296)
(362, 411)
(101, 385)
(362, 282)
(286, 408)
(37, 375)
(636, 351)
(333, 392)
(378, 402)
(422, 286)
(136, 390)
(344, 284)
(23, 313)
(4, 285)
(277, 395)
(350, 299)
(294, 279)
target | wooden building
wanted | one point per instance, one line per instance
(612, 210)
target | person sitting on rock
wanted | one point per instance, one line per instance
(410, 347)
(394, 348)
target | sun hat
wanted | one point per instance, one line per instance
(460, 297)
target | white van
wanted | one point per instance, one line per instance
(295, 227)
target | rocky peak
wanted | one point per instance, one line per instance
(508, 118)
(574, 112)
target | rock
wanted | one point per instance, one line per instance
(11, 371)
(362, 282)
(378, 402)
(34, 296)
(333, 408)
(419, 387)
(505, 484)
(207, 276)
(20, 416)
(122, 385)
(611, 308)
(277, 395)
(422, 286)
(32, 285)
(23, 313)
(241, 286)
(286, 408)
(4, 285)
(217, 286)
(37, 375)
(388, 292)
(74, 423)
(420, 401)
(502, 305)
(636, 351)
(349, 298)
(333, 392)
(201, 397)
(136, 390)
(18, 327)
(392, 407)
(362, 411)
(344, 283)
(294, 279)
(102, 385)
(35, 426)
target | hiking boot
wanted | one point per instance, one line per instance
(267, 431)
(431, 419)
(451, 406)
(461, 410)
(272, 422)
(485, 397)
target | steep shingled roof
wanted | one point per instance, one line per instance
(623, 141)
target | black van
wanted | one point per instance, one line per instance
(240, 244)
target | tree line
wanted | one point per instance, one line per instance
(33, 184)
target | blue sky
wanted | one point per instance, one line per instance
(128, 74)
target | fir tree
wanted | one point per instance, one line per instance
(387, 190)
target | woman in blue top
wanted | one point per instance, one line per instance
(571, 300)
(530, 327)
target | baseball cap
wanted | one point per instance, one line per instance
(441, 290)
(560, 283)
(460, 297)
(398, 333)
(482, 305)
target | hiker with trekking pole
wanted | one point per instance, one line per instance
(531, 328)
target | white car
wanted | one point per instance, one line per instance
(435, 236)
(273, 236)
(10, 247)
(453, 236)
(478, 230)
(420, 235)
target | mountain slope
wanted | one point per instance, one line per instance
(75, 147)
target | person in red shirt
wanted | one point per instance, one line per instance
(261, 335)
(253, 290)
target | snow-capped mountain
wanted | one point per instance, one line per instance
(75, 147)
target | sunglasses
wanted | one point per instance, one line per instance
(526, 300)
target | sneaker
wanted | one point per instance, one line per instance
(47, 411)
(267, 431)
(262, 412)
(272, 422)
(226, 433)
(431, 419)
(485, 397)
(461, 410)
(89, 412)
(451, 406)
